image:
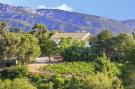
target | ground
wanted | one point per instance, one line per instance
(35, 67)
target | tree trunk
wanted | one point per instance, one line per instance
(49, 58)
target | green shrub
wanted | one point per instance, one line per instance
(103, 64)
(46, 85)
(22, 83)
(128, 76)
(0, 81)
(17, 83)
(98, 81)
(36, 78)
(6, 84)
(103, 81)
(15, 71)
(58, 82)
(74, 83)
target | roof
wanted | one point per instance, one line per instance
(78, 35)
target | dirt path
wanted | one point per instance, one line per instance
(35, 68)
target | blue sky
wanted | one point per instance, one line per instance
(116, 9)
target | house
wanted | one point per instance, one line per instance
(81, 36)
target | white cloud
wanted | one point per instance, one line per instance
(42, 7)
(65, 7)
(61, 7)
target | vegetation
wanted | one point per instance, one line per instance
(107, 64)
(73, 68)
(49, 48)
(17, 83)
(15, 71)
(71, 49)
(12, 43)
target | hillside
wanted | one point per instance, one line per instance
(129, 23)
(54, 19)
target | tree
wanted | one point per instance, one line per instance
(71, 49)
(49, 48)
(9, 43)
(29, 48)
(21, 47)
(102, 80)
(103, 64)
(103, 42)
(52, 33)
(41, 32)
(122, 44)
(3, 27)
(115, 47)
(133, 33)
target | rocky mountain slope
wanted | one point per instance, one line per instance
(129, 23)
(25, 18)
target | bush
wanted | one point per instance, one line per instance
(128, 76)
(103, 64)
(74, 83)
(17, 83)
(102, 81)
(21, 83)
(46, 86)
(15, 71)
(6, 84)
(58, 82)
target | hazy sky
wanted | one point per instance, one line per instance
(117, 9)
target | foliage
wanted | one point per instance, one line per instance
(3, 27)
(103, 81)
(71, 49)
(29, 48)
(122, 44)
(107, 64)
(103, 42)
(74, 68)
(9, 43)
(41, 32)
(89, 54)
(128, 75)
(98, 81)
(58, 82)
(49, 48)
(103, 64)
(45, 86)
(118, 48)
(17, 83)
(15, 71)
(22, 47)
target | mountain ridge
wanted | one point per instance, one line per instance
(55, 19)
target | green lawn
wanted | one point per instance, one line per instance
(70, 68)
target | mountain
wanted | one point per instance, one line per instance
(129, 23)
(55, 19)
